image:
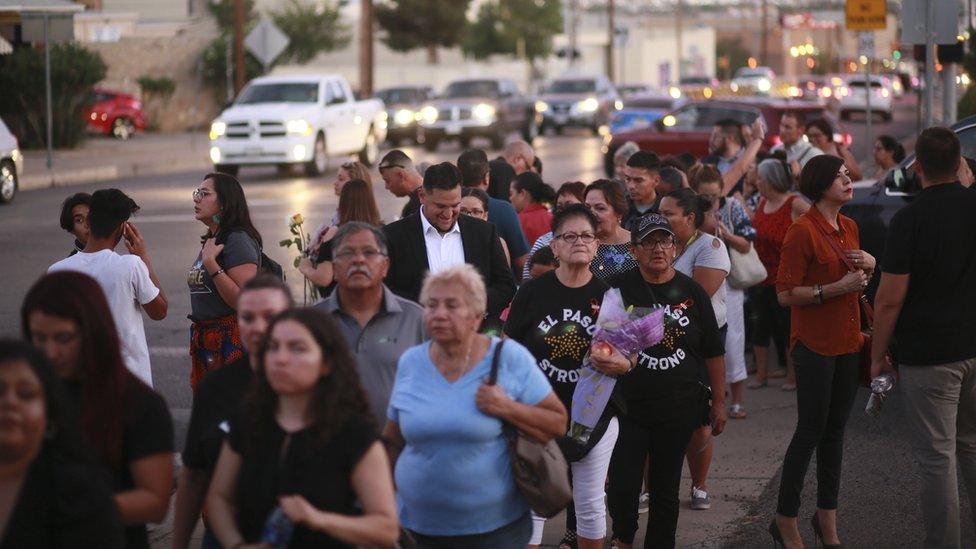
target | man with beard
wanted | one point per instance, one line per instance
(732, 153)
(378, 325)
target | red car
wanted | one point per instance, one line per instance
(687, 129)
(114, 113)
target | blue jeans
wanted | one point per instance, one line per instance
(514, 535)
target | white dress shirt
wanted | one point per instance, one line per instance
(445, 250)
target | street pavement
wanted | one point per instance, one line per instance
(748, 455)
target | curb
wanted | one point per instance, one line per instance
(67, 177)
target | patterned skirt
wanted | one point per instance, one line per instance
(213, 344)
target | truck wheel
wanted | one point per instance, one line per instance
(320, 158)
(530, 131)
(371, 149)
(229, 169)
(559, 129)
(430, 143)
(8, 182)
(123, 128)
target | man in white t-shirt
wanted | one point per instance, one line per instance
(129, 281)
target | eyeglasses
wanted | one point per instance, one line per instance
(649, 245)
(200, 194)
(475, 212)
(349, 255)
(571, 238)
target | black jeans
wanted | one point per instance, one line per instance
(825, 391)
(772, 321)
(666, 442)
(515, 534)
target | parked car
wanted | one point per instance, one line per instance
(641, 112)
(698, 87)
(687, 128)
(758, 80)
(296, 120)
(860, 87)
(11, 164)
(403, 104)
(811, 87)
(479, 107)
(632, 90)
(578, 101)
(115, 113)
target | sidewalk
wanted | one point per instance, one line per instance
(102, 158)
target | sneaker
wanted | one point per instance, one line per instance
(643, 503)
(699, 500)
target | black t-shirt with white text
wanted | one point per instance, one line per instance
(667, 376)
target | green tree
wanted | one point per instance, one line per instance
(74, 73)
(223, 13)
(427, 24)
(311, 28)
(730, 55)
(514, 27)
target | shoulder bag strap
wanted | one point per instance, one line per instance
(865, 305)
(493, 376)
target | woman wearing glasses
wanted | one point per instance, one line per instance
(554, 317)
(474, 202)
(230, 256)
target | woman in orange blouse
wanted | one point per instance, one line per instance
(825, 341)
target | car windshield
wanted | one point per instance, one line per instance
(572, 86)
(399, 95)
(863, 84)
(744, 72)
(298, 92)
(472, 88)
(693, 80)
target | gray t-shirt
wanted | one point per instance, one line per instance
(708, 251)
(205, 301)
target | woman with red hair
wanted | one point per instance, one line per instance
(66, 316)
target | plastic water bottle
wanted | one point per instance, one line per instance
(278, 529)
(880, 387)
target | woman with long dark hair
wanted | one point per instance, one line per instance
(825, 340)
(58, 495)
(356, 203)
(230, 256)
(66, 315)
(306, 448)
(532, 198)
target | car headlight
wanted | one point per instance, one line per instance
(403, 117)
(674, 92)
(428, 114)
(217, 129)
(618, 105)
(764, 85)
(483, 112)
(590, 104)
(541, 106)
(669, 121)
(298, 127)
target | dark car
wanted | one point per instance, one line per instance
(114, 113)
(687, 129)
(403, 104)
(875, 203)
(479, 107)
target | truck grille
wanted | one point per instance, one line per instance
(560, 107)
(263, 128)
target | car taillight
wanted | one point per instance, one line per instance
(846, 139)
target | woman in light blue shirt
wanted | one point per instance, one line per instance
(455, 486)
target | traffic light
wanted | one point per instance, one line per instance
(918, 52)
(896, 55)
(950, 53)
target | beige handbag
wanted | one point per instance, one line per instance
(540, 470)
(747, 269)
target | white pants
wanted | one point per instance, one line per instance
(589, 478)
(735, 337)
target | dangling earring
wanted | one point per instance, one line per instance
(216, 219)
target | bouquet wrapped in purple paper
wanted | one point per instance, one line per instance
(627, 330)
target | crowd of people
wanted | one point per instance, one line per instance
(368, 419)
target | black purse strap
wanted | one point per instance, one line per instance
(493, 376)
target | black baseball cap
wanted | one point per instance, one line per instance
(649, 223)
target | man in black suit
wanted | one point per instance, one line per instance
(438, 237)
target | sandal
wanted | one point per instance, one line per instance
(568, 541)
(788, 387)
(758, 384)
(736, 411)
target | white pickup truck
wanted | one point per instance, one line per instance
(289, 120)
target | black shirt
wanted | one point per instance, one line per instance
(217, 400)
(933, 239)
(632, 220)
(500, 177)
(320, 473)
(413, 204)
(667, 376)
(147, 430)
(325, 254)
(63, 502)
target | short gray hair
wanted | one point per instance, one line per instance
(776, 174)
(623, 154)
(474, 292)
(355, 227)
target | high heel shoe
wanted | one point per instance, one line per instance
(815, 522)
(777, 535)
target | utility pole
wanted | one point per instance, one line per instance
(764, 40)
(611, 36)
(366, 48)
(929, 62)
(239, 71)
(677, 34)
(569, 29)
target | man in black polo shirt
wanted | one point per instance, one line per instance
(219, 397)
(926, 310)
